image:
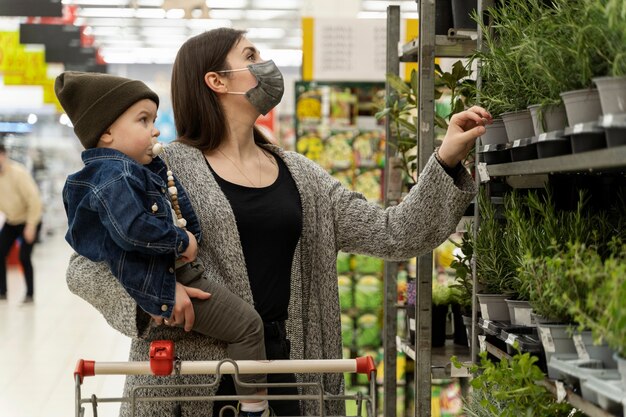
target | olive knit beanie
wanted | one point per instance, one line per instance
(93, 101)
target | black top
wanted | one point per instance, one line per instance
(269, 221)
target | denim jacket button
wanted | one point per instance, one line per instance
(164, 307)
(155, 208)
(162, 190)
(171, 270)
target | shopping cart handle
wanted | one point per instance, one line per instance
(84, 368)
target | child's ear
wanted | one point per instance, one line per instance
(214, 81)
(106, 139)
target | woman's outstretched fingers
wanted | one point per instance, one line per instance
(462, 132)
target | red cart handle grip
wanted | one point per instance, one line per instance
(365, 365)
(84, 368)
(162, 357)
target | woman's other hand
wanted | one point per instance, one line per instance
(463, 129)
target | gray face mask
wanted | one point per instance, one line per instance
(269, 89)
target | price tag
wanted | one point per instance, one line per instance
(561, 394)
(483, 174)
(578, 128)
(546, 339)
(517, 142)
(411, 324)
(486, 324)
(482, 342)
(608, 120)
(581, 350)
(522, 316)
(542, 137)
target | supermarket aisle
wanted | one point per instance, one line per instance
(40, 343)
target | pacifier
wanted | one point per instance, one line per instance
(157, 149)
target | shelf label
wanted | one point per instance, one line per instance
(517, 142)
(581, 350)
(522, 316)
(461, 372)
(411, 324)
(608, 120)
(482, 342)
(510, 340)
(483, 174)
(578, 127)
(486, 324)
(561, 394)
(542, 137)
(546, 339)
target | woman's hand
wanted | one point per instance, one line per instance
(183, 314)
(462, 132)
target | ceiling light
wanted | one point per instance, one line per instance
(208, 24)
(175, 13)
(114, 55)
(265, 33)
(107, 12)
(269, 14)
(227, 4)
(277, 4)
(97, 2)
(150, 3)
(153, 13)
(226, 14)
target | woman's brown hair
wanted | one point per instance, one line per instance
(198, 114)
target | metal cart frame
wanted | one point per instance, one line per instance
(163, 362)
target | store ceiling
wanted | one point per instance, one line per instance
(151, 31)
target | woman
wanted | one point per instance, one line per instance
(273, 220)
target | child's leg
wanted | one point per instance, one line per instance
(228, 318)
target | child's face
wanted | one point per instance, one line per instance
(134, 133)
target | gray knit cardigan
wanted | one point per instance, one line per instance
(333, 219)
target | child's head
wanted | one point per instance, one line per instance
(109, 111)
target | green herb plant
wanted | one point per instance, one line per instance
(494, 269)
(510, 388)
(463, 282)
(601, 309)
(401, 107)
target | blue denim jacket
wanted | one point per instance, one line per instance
(119, 212)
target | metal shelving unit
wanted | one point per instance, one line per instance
(593, 161)
(457, 45)
(425, 47)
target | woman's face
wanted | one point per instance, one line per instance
(240, 56)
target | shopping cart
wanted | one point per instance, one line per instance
(163, 362)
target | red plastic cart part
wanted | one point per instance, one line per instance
(365, 365)
(162, 357)
(84, 368)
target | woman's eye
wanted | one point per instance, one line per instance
(251, 58)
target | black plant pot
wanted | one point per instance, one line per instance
(460, 333)
(443, 17)
(462, 13)
(439, 325)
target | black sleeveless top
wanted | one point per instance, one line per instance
(269, 221)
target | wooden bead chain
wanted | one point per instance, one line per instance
(173, 191)
(157, 149)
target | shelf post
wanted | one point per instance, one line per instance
(390, 326)
(425, 146)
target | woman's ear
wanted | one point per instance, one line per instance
(214, 81)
